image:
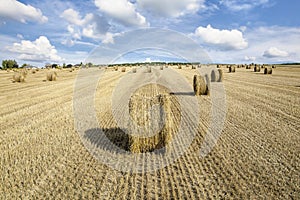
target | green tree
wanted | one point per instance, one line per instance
(9, 64)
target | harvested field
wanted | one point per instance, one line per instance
(257, 155)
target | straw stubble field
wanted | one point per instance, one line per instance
(256, 156)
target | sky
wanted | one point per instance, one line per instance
(229, 31)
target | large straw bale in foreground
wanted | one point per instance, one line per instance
(139, 110)
(200, 87)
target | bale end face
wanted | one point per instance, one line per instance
(123, 69)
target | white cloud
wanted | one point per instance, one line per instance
(171, 8)
(285, 39)
(91, 26)
(109, 38)
(249, 58)
(18, 11)
(73, 17)
(123, 12)
(39, 50)
(273, 52)
(237, 5)
(222, 39)
(68, 42)
(260, 39)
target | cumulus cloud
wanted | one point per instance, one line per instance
(12, 9)
(123, 11)
(171, 8)
(91, 26)
(237, 5)
(39, 50)
(273, 52)
(73, 17)
(222, 39)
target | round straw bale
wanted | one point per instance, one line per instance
(232, 69)
(257, 69)
(51, 76)
(200, 87)
(123, 69)
(18, 78)
(268, 71)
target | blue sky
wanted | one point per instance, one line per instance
(229, 31)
